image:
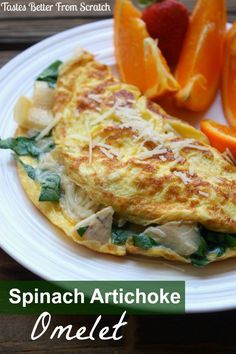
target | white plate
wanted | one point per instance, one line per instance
(29, 238)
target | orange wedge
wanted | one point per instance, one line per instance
(159, 80)
(129, 34)
(228, 90)
(139, 60)
(221, 136)
(199, 68)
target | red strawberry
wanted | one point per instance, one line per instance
(167, 21)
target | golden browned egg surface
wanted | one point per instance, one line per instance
(126, 152)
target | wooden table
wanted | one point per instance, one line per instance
(196, 333)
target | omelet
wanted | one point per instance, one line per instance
(124, 151)
(119, 175)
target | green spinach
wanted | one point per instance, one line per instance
(50, 182)
(50, 187)
(81, 230)
(203, 248)
(24, 146)
(143, 241)
(212, 243)
(119, 236)
(230, 240)
(146, 2)
(50, 74)
(199, 261)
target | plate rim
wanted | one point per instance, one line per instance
(24, 261)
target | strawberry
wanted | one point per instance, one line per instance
(167, 21)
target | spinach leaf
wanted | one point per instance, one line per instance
(119, 236)
(50, 74)
(212, 243)
(50, 182)
(199, 258)
(81, 231)
(211, 237)
(202, 249)
(31, 171)
(218, 239)
(144, 241)
(23, 146)
(199, 261)
(50, 187)
(146, 2)
(230, 240)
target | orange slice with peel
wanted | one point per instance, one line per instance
(129, 34)
(221, 136)
(228, 90)
(159, 80)
(139, 60)
(199, 68)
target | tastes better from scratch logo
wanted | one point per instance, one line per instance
(79, 6)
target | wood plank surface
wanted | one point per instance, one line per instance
(34, 30)
(7, 55)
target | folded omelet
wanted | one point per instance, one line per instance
(121, 176)
(123, 150)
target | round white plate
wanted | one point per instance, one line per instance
(29, 238)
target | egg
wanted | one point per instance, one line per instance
(122, 159)
(126, 152)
